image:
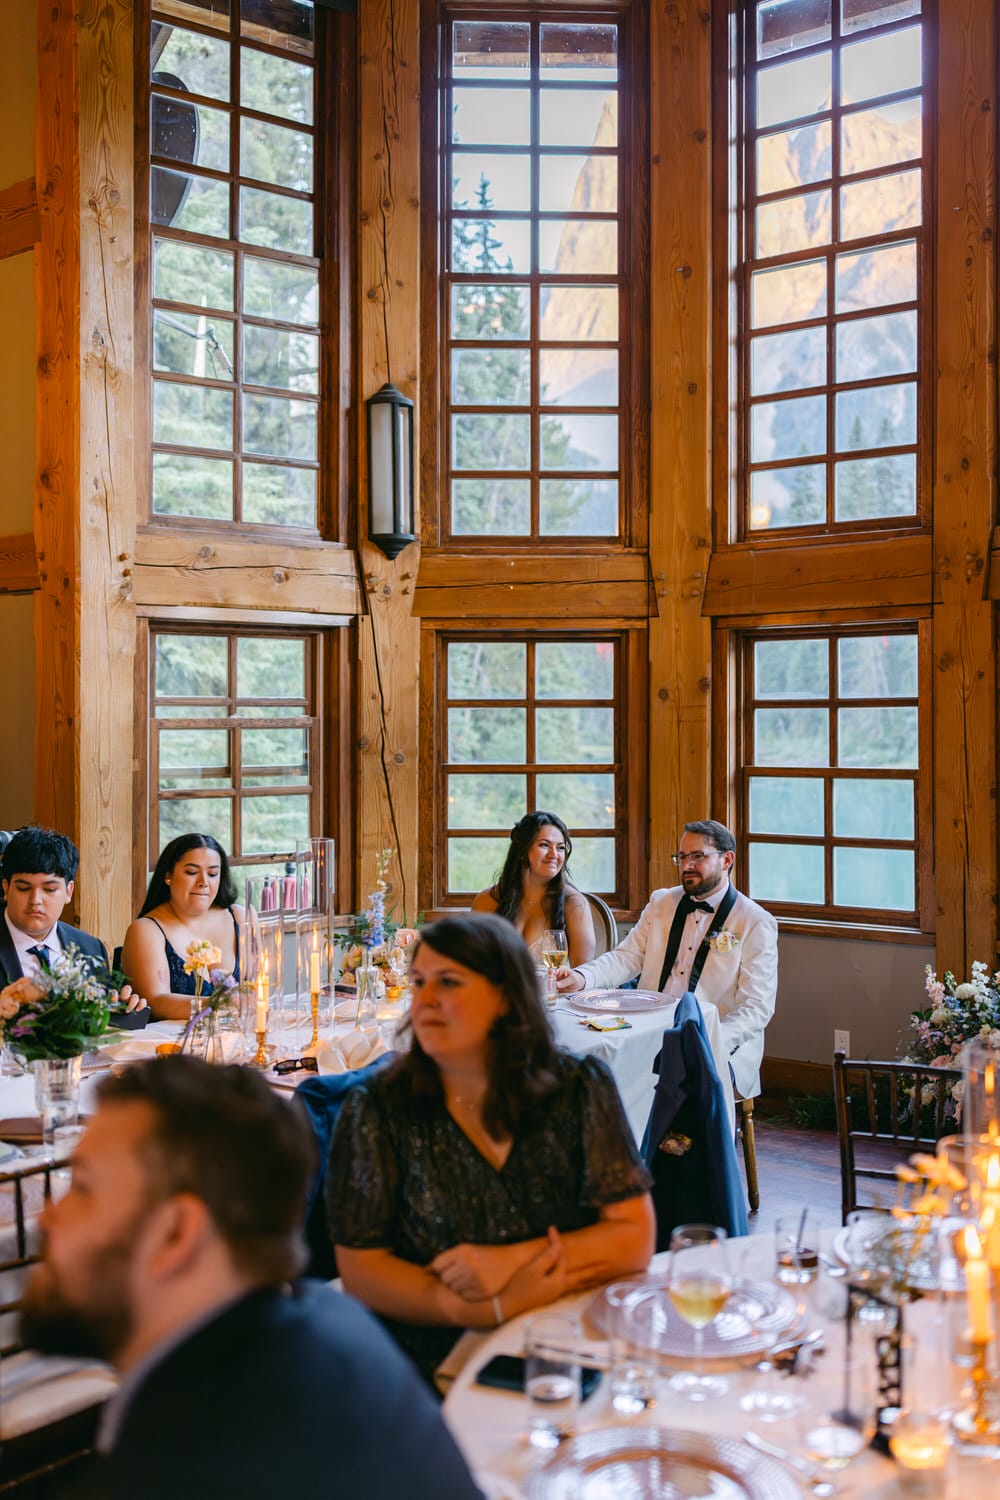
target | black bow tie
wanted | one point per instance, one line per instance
(693, 905)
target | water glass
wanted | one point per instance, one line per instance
(633, 1369)
(836, 1431)
(796, 1261)
(551, 1379)
(57, 1097)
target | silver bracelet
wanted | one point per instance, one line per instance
(497, 1311)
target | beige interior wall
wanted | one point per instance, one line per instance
(17, 761)
(867, 988)
(17, 392)
(17, 415)
(18, 79)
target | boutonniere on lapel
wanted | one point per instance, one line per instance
(724, 941)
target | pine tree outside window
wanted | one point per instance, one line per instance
(833, 324)
(534, 300)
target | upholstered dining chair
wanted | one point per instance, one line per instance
(880, 1121)
(605, 926)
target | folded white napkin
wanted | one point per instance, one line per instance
(354, 1050)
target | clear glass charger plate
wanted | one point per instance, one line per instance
(619, 1002)
(640, 1463)
(933, 1266)
(754, 1318)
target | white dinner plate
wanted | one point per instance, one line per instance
(755, 1317)
(619, 1002)
(630, 1463)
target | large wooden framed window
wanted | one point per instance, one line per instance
(834, 792)
(240, 142)
(833, 316)
(535, 274)
(529, 719)
(234, 726)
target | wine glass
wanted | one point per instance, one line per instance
(699, 1284)
(555, 951)
(842, 1427)
(765, 1401)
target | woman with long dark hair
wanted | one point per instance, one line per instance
(485, 1172)
(191, 898)
(533, 890)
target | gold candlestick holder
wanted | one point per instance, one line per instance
(314, 1039)
(978, 1422)
(261, 1059)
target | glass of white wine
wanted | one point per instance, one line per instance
(699, 1284)
(555, 951)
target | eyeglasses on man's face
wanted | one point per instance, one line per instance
(694, 858)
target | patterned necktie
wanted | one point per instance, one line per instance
(42, 953)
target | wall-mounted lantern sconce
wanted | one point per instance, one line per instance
(390, 470)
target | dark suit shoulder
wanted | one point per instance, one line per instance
(306, 1383)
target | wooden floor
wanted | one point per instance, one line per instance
(796, 1169)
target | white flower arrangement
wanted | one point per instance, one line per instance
(724, 941)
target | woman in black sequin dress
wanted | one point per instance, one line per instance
(487, 1172)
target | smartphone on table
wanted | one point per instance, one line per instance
(505, 1372)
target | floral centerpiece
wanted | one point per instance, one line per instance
(957, 1013)
(373, 938)
(58, 1013)
(203, 959)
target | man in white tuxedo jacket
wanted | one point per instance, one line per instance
(720, 944)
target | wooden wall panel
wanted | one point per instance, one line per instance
(965, 703)
(388, 348)
(680, 522)
(19, 223)
(85, 518)
(18, 564)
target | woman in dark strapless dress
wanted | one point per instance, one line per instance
(191, 898)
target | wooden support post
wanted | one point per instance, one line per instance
(85, 490)
(388, 326)
(965, 334)
(680, 456)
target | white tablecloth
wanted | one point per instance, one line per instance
(489, 1425)
(630, 1054)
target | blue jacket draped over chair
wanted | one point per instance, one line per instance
(322, 1100)
(696, 1179)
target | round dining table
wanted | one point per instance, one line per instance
(490, 1425)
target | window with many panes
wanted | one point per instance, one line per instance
(535, 301)
(234, 741)
(234, 269)
(833, 747)
(834, 309)
(526, 722)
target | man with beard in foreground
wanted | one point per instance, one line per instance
(171, 1255)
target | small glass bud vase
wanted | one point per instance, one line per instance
(367, 979)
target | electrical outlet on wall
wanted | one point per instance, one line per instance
(842, 1042)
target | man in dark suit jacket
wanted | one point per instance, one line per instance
(37, 876)
(170, 1255)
